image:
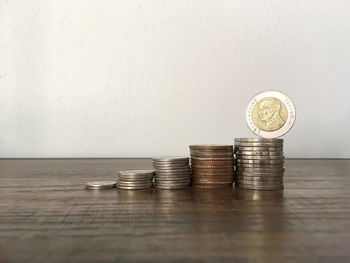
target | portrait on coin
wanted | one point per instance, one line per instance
(269, 114)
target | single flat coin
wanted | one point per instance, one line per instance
(270, 114)
(211, 147)
(170, 165)
(258, 140)
(135, 177)
(257, 153)
(259, 180)
(95, 185)
(255, 157)
(224, 155)
(212, 166)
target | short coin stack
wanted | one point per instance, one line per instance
(135, 179)
(172, 172)
(259, 163)
(212, 166)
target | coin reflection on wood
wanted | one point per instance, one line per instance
(212, 166)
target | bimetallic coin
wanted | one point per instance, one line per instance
(270, 114)
(95, 185)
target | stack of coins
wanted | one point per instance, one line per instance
(172, 172)
(212, 166)
(259, 163)
(135, 179)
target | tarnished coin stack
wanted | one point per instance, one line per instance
(212, 166)
(135, 179)
(259, 163)
(172, 172)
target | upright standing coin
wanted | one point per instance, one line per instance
(270, 114)
(100, 185)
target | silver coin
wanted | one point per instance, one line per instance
(170, 165)
(260, 161)
(172, 184)
(260, 149)
(257, 174)
(258, 140)
(136, 172)
(258, 144)
(133, 187)
(170, 159)
(135, 178)
(270, 114)
(262, 169)
(160, 168)
(171, 187)
(173, 179)
(260, 178)
(255, 187)
(100, 185)
(258, 166)
(255, 157)
(244, 179)
(257, 153)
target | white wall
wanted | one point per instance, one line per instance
(143, 78)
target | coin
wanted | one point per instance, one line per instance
(270, 114)
(175, 159)
(259, 161)
(258, 144)
(259, 153)
(171, 187)
(254, 157)
(261, 169)
(260, 182)
(136, 172)
(255, 187)
(264, 148)
(259, 178)
(95, 185)
(258, 140)
(212, 186)
(211, 147)
(134, 187)
(257, 174)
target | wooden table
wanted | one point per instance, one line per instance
(47, 216)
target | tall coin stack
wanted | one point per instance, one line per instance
(259, 163)
(135, 179)
(172, 172)
(212, 166)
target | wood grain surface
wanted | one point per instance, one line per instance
(48, 216)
